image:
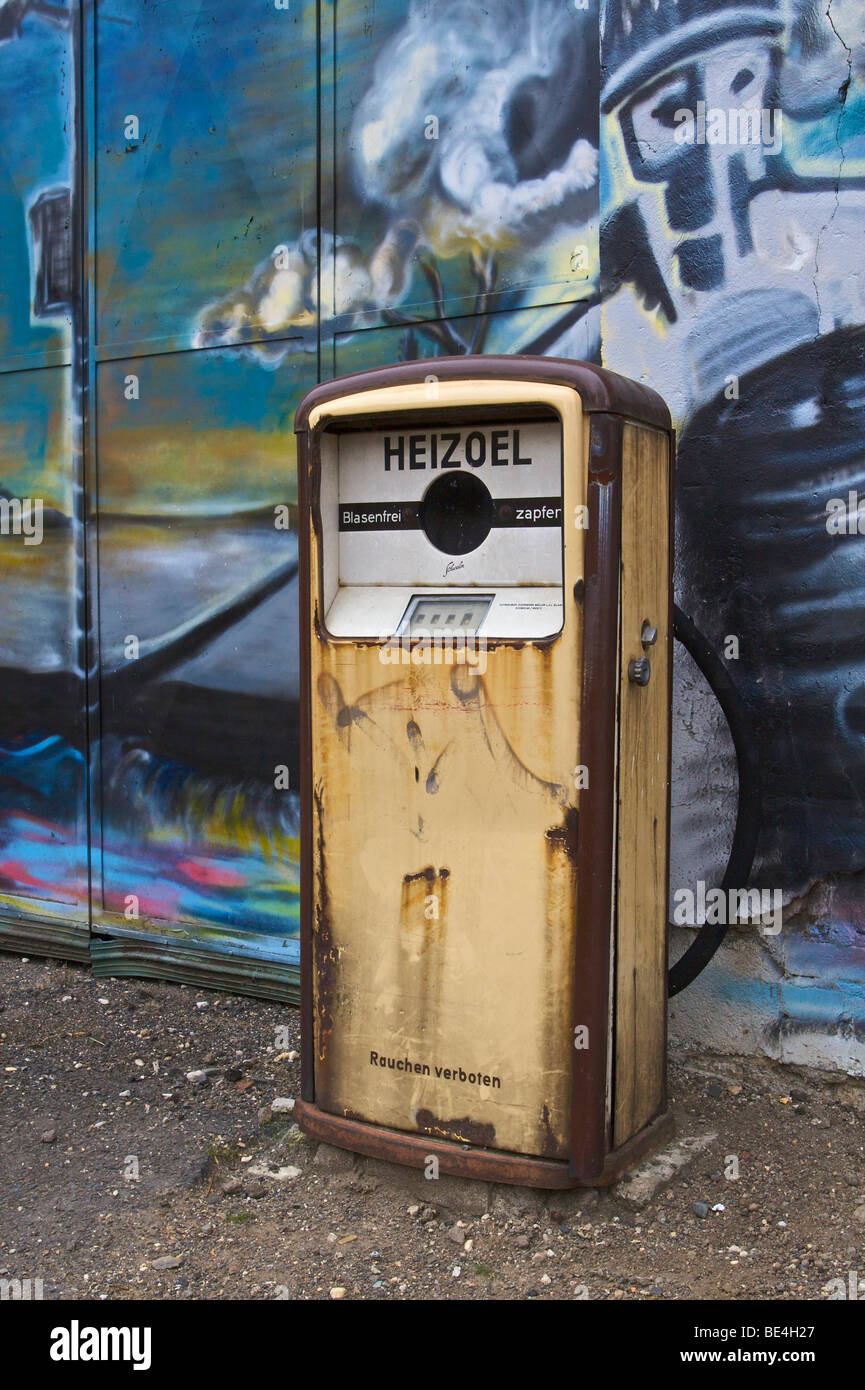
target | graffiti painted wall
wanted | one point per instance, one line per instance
(733, 167)
(205, 210)
(203, 155)
(43, 808)
(154, 154)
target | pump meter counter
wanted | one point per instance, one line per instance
(431, 615)
(485, 736)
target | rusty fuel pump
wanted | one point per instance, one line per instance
(486, 644)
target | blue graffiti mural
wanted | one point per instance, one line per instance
(735, 156)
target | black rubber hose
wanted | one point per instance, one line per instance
(749, 811)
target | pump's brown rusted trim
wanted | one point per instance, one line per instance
(595, 854)
(307, 1029)
(413, 1150)
(599, 390)
(459, 1161)
(671, 548)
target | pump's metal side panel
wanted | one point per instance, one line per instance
(643, 786)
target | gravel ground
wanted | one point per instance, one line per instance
(142, 1159)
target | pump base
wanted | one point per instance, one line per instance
(462, 1161)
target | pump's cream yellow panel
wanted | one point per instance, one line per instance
(444, 834)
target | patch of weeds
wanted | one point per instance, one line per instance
(223, 1154)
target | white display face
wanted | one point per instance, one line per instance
(449, 614)
(438, 507)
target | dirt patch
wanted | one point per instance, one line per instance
(143, 1157)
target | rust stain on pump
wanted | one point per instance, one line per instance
(565, 836)
(326, 953)
(423, 909)
(550, 1147)
(465, 1130)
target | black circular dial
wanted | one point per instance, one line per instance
(457, 513)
